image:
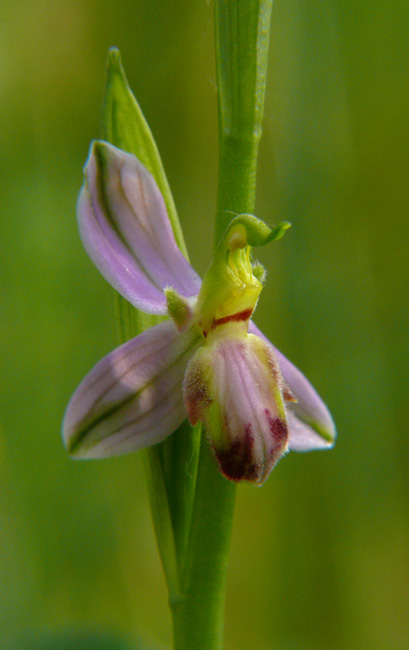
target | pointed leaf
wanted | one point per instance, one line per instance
(124, 125)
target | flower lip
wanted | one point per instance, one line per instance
(234, 385)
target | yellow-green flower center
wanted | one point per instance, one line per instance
(230, 288)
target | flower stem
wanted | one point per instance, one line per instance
(242, 31)
(198, 615)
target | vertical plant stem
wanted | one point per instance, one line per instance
(242, 38)
(198, 616)
(242, 30)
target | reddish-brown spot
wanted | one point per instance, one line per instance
(237, 462)
(248, 436)
(279, 437)
(287, 394)
(277, 426)
(233, 318)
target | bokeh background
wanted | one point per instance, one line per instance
(319, 556)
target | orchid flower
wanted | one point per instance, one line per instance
(207, 362)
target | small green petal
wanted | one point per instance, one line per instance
(254, 230)
(179, 309)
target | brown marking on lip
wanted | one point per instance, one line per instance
(279, 437)
(276, 373)
(278, 428)
(240, 316)
(237, 461)
(234, 318)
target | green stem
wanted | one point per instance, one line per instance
(242, 30)
(237, 181)
(198, 616)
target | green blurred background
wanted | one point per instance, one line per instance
(319, 556)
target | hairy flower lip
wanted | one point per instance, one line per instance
(234, 385)
(126, 232)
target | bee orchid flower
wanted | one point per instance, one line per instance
(208, 361)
